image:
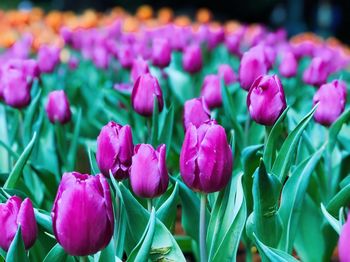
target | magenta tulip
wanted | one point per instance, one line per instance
(192, 59)
(139, 67)
(211, 91)
(58, 108)
(344, 242)
(289, 65)
(48, 58)
(196, 112)
(161, 52)
(317, 72)
(226, 72)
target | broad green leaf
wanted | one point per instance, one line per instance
(167, 129)
(155, 123)
(142, 250)
(269, 254)
(167, 211)
(72, 153)
(19, 166)
(331, 220)
(292, 199)
(180, 84)
(335, 129)
(285, 155)
(92, 160)
(17, 252)
(270, 147)
(342, 198)
(56, 254)
(43, 220)
(108, 253)
(266, 194)
(30, 114)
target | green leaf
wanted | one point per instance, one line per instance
(43, 220)
(18, 168)
(108, 253)
(142, 250)
(335, 129)
(266, 194)
(292, 199)
(92, 161)
(180, 84)
(155, 122)
(269, 254)
(56, 254)
(342, 198)
(30, 113)
(270, 147)
(74, 142)
(286, 153)
(331, 220)
(227, 223)
(167, 211)
(17, 252)
(167, 129)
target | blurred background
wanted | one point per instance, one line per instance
(324, 17)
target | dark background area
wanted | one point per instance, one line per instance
(324, 17)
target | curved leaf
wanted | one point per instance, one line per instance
(167, 211)
(336, 127)
(56, 254)
(17, 252)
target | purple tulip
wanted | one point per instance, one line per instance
(115, 149)
(149, 175)
(196, 112)
(73, 63)
(331, 99)
(82, 214)
(58, 108)
(211, 91)
(125, 56)
(289, 65)
(14, 213)
(67, 35)
(100, 57)
(146, 89)
(266, 100)
(344, 242)
(48, 58)
(192, 59)
(233, 42)
(29, 67)
(216, 35)
(206, 158)
(251, 67)
(161, 52)
(139, 67)
(317, 72)
(226, 72)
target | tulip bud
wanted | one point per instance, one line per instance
(149, 175)
(289, 65)
(146, 89)
(12, 214)
(227, 73)
(192, 59)
(161, 52)
(139, 67)
(100, 57)
(58, 108)
(233, 42)
(206, 158)
(266, 100)
(48, 58)
(317, 72)
(83, 205)
(125, 56)
(115, 150)
(331, 99)
(344, 242)
(252, 66)
(196, 112)
(211, 91)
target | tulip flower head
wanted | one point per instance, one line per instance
(211, 91)
(161, 52)
(192, 59)
(58, 108)
(82, 214)
(139, 67)
(317, 72)
(196, 112)
(48, 58)
(226, 72)
(289, 65)
(344, 242)
(13, 213)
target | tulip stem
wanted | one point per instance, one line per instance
(83, 259)
(149, 204)
(203, 229)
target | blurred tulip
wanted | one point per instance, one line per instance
(139, 67)
(16, 213)
(48, 58)
(192, 59)
(317, 72)
(226, 72)
(100, 57)
(161, 52)
(125, 56)
(233, 42)
(331, 99)
(115, 149)
(196, 112)
(149, 175)
(266, 100)
(82, 214)
(344, 242)
(146, 89)
(211, 91)
(289, 65)
(73, 63)
(58, 108)
(206, 158)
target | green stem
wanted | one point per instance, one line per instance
(149, 204)
(248, 254)
(246, 130)
(328, 163)
(203, 229)
(83, 259)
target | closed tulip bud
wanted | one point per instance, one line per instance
(206, 158)
(83, 205)
(266, 100)
(48, 58)
(15, 88)
(115, 149)
(317, 72)
(139, 67)
(196, 112)
(211, 91)
(149, 175)
(344, 242)
(15, 213)
(161, 52)
(233, 42)
(192, 59)
(125, 56)
(226, 72)
(331, 99)
(146, 89)
(252, 66)
(58, 108)
(100, 57)
(289, 65)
